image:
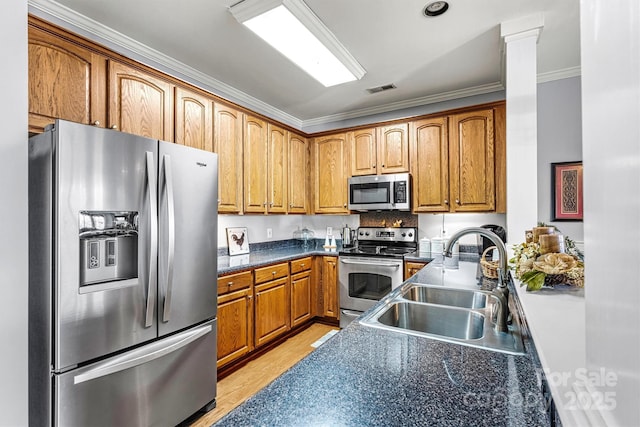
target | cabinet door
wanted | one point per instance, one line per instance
(393, 148)
(411, 268)
(363, 152)
(430, 165)
(272, 308)
(298, 176)
(300, 298)
(472, 163)
(330, 166)
(330, 287)
(227, 142)
(235, 325)
(194, 120)
(66, 81)
(255, 165)
(277, 170)
(140, 103)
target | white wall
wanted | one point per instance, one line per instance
(610, 40)
(13, 214)
(559, 140)
(283, 226)
(430, 225)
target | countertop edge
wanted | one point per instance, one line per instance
(556, 322)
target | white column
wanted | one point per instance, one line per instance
(13, 214)
(610, 54)
(520, 38)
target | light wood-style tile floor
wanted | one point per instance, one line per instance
(246, 381)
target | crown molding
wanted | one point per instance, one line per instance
(67, 18)
(559, 74)
(409, 103)
(125, 45)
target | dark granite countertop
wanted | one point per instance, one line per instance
(370, 377)
(265, 254)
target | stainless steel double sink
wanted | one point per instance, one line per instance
(461, 316)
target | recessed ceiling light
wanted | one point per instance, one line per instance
(436, 8)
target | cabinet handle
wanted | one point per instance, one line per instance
(96, 123)
(446, 201)
(114, 126)
(373, 166)
(344, 206)
(458, 201)
(302, 265)
(273, 273)
(230, 284)
(382, 165)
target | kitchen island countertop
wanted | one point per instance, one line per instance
(364, 376)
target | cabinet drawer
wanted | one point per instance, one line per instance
(276, 271)
(234, 282)
(300, 265)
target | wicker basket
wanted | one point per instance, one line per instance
(489, 268)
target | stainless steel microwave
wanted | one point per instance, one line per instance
(380, 192)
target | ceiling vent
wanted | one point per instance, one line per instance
(381, 88)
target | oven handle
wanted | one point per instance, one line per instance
(375, 264)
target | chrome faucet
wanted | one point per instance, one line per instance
(501, 292)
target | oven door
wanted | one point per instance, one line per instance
(364, 281)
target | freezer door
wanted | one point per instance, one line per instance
(105, 221)
(187, 254)
(159, 384)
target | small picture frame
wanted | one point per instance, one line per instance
(237, 240)
(566, 190)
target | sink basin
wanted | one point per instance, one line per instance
(459, 316)
(459, 324)
(446, 296)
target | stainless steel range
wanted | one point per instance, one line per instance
(373, 268)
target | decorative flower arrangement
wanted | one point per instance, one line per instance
(536, 269)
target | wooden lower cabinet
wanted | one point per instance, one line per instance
(301, 291)
(235, 325)
(411, 268)
(235, 316)
(330, 305)
(272, 303)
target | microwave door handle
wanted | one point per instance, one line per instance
(168, 182)
(153, 223)
(375, 264)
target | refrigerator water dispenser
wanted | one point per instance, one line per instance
(108, 249)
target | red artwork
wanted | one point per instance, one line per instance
(567, 191)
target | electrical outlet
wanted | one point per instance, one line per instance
(269, 233)
(329, 231)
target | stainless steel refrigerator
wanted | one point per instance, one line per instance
(123, 272)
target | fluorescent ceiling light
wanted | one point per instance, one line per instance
(295, 31)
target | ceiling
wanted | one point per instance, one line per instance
(428, 58)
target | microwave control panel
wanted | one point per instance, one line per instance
(400, 191)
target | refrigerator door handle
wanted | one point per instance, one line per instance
(143, 355)
(168, 181)
(153, 250)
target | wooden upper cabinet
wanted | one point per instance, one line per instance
(66, 81)
(298, 174)
(255, 164)
(278, 144)
(363, 151)
(393, 148)
(140, 103)
(193, 119)
(227, 143)
(472, 162)
(380, 150)
(430, 165)
(330, 160)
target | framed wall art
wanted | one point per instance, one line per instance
(237, 240)
(566, 190)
